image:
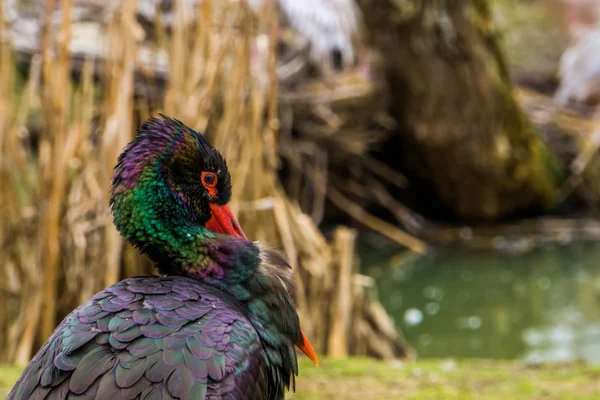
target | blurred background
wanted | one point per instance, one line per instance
(430, 168)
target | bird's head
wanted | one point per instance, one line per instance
(171, 171)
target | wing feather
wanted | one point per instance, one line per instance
(150, 338)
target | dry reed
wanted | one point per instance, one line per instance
(58, 243)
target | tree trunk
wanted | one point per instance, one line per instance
(460, 129)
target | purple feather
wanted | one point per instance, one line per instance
(197, 391)
(143, 317)
(180, 382)
(91, 367)
(108, 388)
(143, 347)
(173, 358)
(134, 391)
(155, 331)
(74, 342)
(157, 371)
(152, 392)
(127, 374)
(198, 350)
(216, 367)
(67, 363)
(171, 322)
(128, 335)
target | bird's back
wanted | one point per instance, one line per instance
(151, 338)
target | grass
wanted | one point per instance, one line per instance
(439, 379)
(362, 379)
(8, 376)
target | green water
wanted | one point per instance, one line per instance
(539, 307)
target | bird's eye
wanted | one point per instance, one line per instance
(209, 179)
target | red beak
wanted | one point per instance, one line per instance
(304, 345)
(223, 221)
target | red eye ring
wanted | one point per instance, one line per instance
(209, 180)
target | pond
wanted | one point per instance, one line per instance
(542, 306)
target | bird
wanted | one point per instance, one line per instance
(329, 26)
(579, 71)
(218, 322)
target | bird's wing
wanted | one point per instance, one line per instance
(156, 338)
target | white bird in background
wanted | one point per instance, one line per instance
(579, 67)
(329, 26)
(579, 71)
